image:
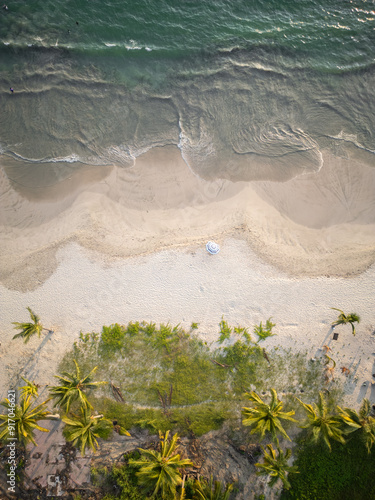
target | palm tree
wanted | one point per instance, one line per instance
(210, 490)
(73, 387)
(321, 425)
(21, 419)
(29, 329)
(30, 389)
(266, 417)
(276, 466)
(343, 319)
(329, 369)
(363, 422)
(82, 430)
(160, 471)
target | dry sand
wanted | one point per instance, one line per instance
(115, 245)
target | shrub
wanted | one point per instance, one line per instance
(120, 483)
(112, 337)
(264, 331)
(225, 330)
(133, 328)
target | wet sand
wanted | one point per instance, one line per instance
(319, 224)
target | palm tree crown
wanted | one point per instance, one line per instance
(159, 471)
(363, 422)
(276, 466)
(30, 389)
(72, 388)
(29, 329)
(343, 319)
(25, 420)
(83, 429)
(210, 490)
(321, 424)
(266, 417)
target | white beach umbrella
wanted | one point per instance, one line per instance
(212, 247)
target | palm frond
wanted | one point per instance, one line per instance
(160, 471)
(362, 423)
(211, 490)
(82, 430)
(265, 418)
(365, 409)
(28, 329)
(73, 388)
(339, 310)
(33, 316)
(25, 418)
(343, 319)
(321, 425)
(30, 388)
(276, 466)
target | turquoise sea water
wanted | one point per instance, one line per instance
(245, 89)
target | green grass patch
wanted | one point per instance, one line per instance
(171, 379)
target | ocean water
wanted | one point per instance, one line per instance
(247, 90)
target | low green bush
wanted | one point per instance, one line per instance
(112, 338)
(264, 331)
(119, 483)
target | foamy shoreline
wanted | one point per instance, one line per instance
(129, 245)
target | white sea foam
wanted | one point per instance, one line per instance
(195, 152)
(133, 45)
(73, 158)
(126, 155)
(352, 138)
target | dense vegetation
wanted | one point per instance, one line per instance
(164, 378)
(345, 473)
(171, 379)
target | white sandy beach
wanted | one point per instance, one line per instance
(126, 245)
